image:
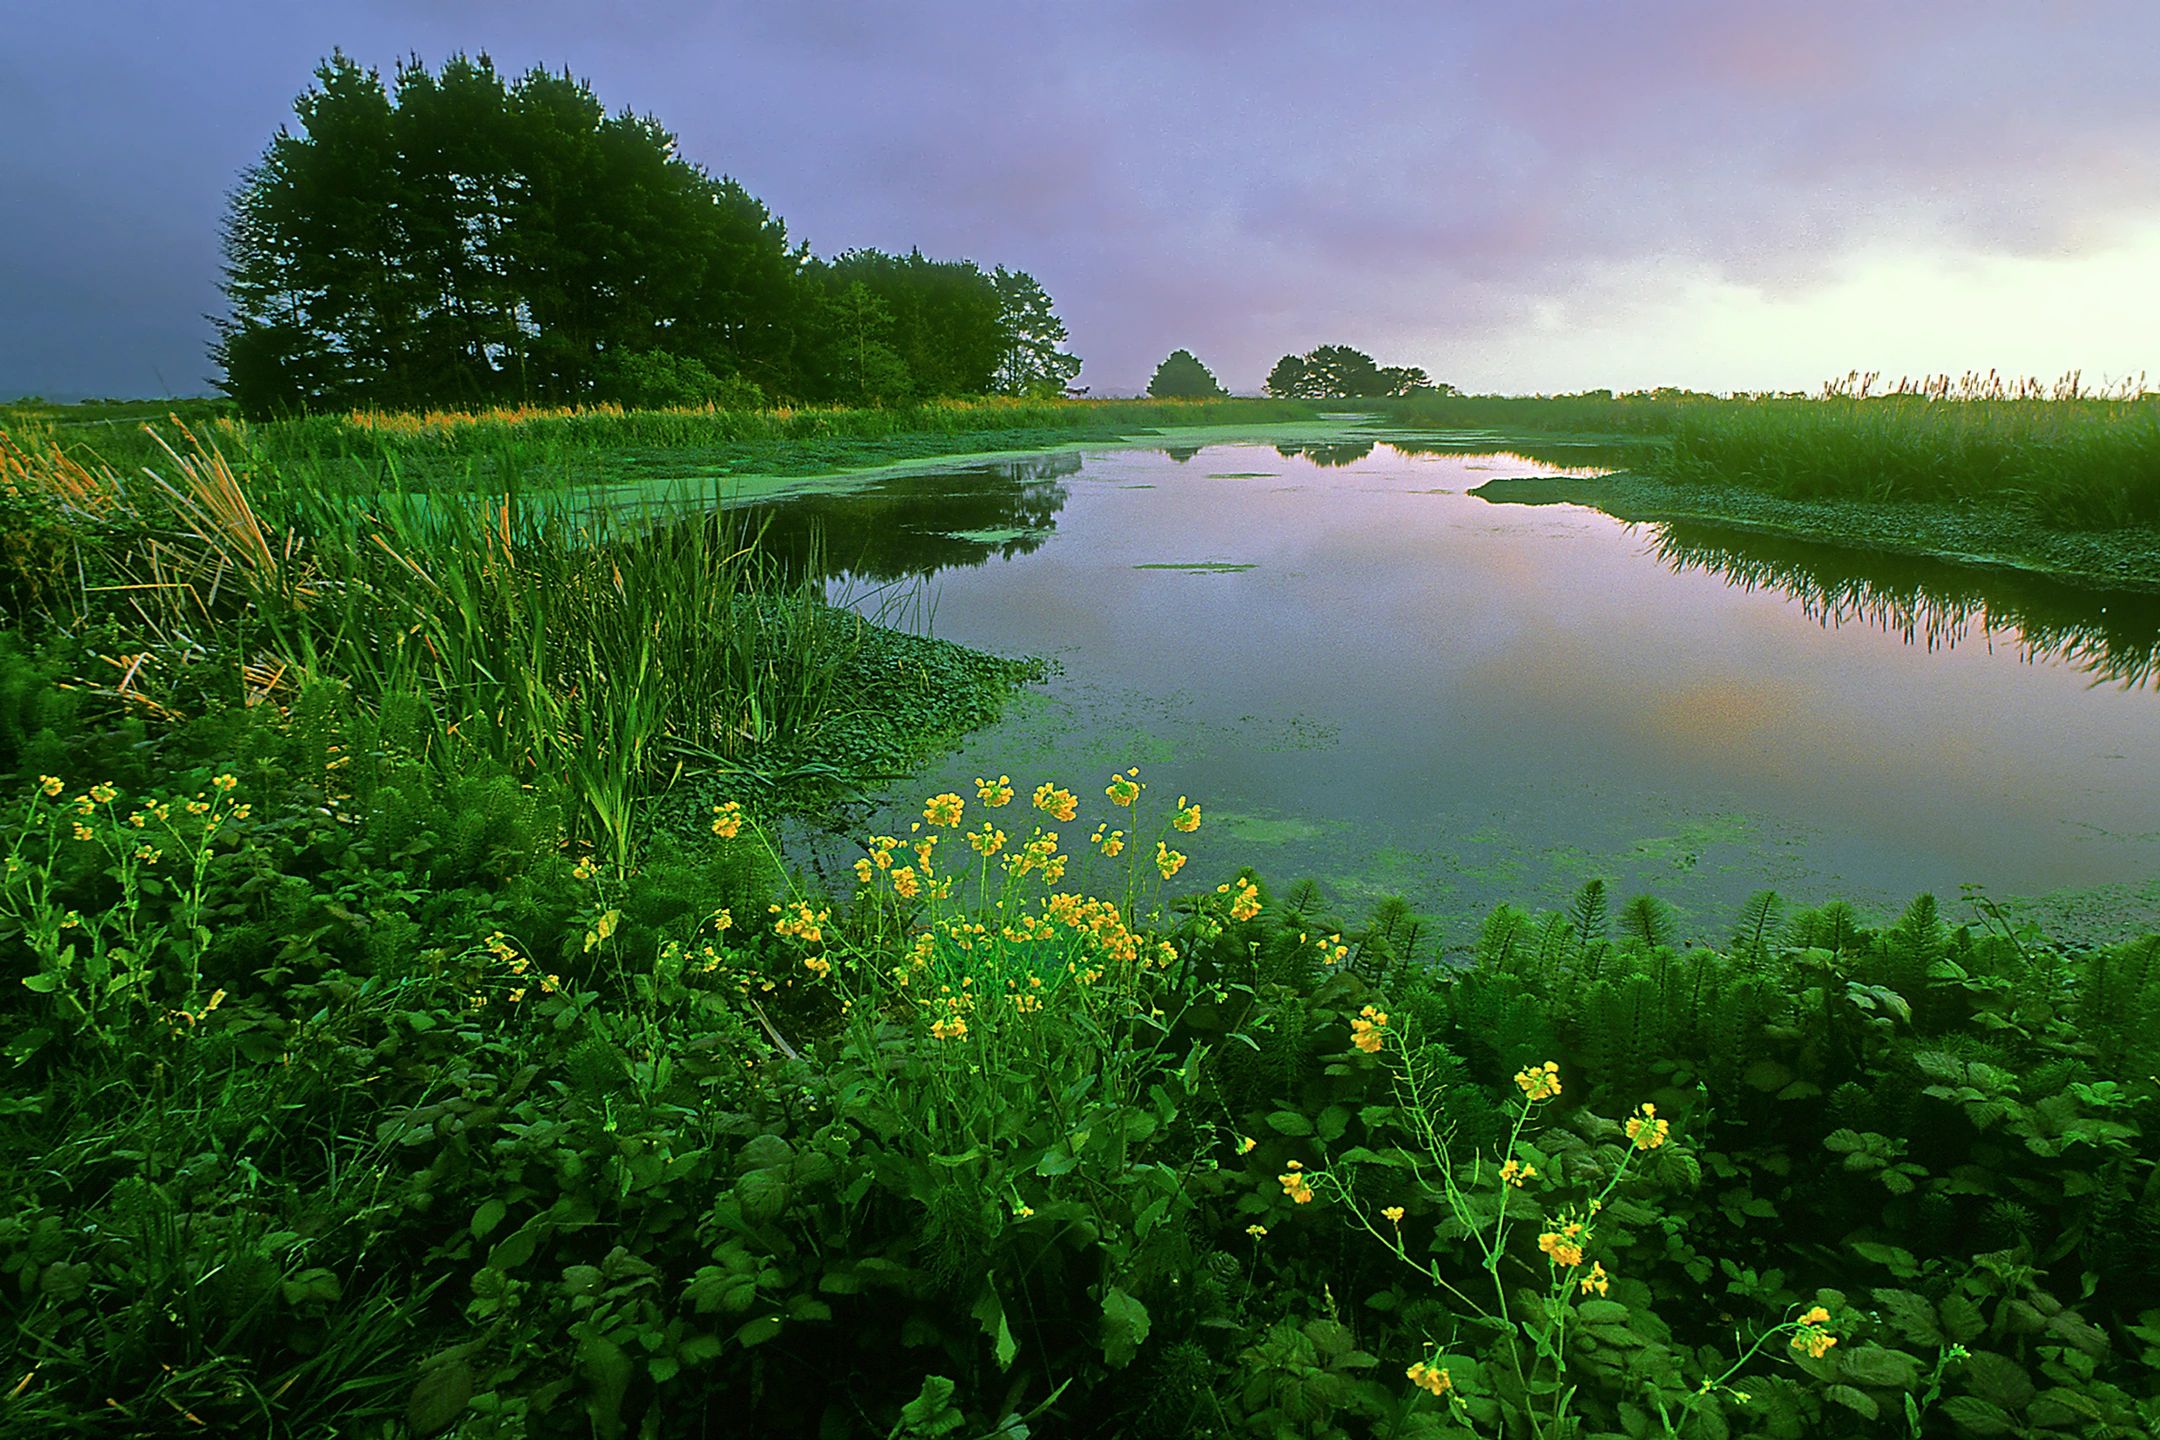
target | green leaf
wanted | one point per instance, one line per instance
(318, 1285)
(1975, 1416)
(932, 1411)
(758, 1331)
(487, 1217)
(440, 1395)
(989, 1312)
(1603, 1312)
(1858, 1401)
(42, 983)
(1289, 1122)
(607, 1372)
(516, 1250)
(1125, 1326)
(1874, 1365)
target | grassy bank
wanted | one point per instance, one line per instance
(491, 449)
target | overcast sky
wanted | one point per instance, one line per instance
(1518, 197)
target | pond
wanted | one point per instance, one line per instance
(1372, 677)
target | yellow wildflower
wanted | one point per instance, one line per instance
(1434, 1382)
(226, 782)
(1246, 1145)
(1168, 861)
(1122, 790)
(84, 832)
(863, 870)
(994, 793)
(727, 820)
(1514, 1172)
(51, 785)
(1244, 900)
(1596, 1280)
(1055, 801)
(1187, 818)
(1365, 1031)
(1562, 1249)
(1256, 1231)
(817, 965)
(951, 1029)
(1110, 842)
(1295, 1185)
(944, 809)
(1813, 1337)
(103, 794)
(1646, 1130)
(987, 841)
(1540, 1082)
(1394, 1214)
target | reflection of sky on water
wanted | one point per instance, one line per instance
(1476, 702)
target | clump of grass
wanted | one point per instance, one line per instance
(2072, 462)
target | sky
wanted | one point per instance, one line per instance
(1531, 197)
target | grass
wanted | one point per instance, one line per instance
(2054, 457)
(539, 448)
(619, 650)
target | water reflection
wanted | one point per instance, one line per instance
(914, 525)
(1562, 456)
(1331, 454)
(2113, 636)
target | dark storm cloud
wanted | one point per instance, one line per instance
(1240, 178)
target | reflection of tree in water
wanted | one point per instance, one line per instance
(1180, 453)
(918, 524)
(1575, 457)
(2114, 636)
(1330, 453)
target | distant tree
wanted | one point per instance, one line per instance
(1289, 379)
(1337, 372)
(1181, 376)
(1032, 363)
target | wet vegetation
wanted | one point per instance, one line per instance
(423, 1025)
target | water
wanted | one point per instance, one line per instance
(1371, 677)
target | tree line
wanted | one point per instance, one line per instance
(456, 237)
(1330, 372)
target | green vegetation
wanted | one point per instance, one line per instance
(422, 1024)
(2049, 457)
(537, 448)
(1181, 376)
(1337, 372)
(349, 1094)
(453, 238)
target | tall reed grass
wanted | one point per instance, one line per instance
(607, 648)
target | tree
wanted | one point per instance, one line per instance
(1337, 372)
(1032, 363)
(451, 236)
(1181, 376)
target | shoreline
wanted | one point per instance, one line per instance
(1980, 539)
